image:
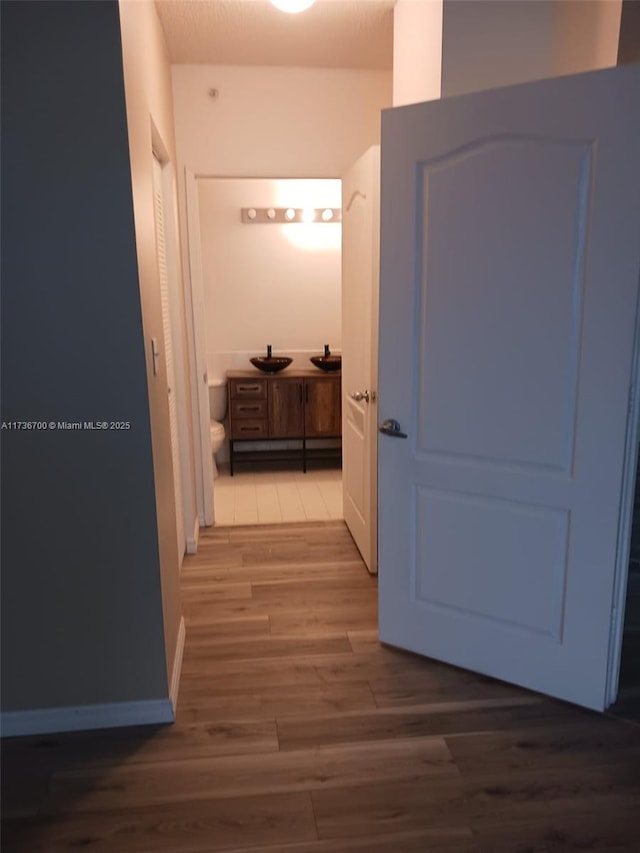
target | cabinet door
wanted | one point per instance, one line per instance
(322, 406)
(285, 408)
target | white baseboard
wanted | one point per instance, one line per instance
(192, 541)
(85, 717)
(177, 667)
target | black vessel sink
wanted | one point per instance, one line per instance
(329, 363)
(271, 363)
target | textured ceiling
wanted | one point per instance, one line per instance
(331, 34)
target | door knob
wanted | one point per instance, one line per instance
(392, 428)
(359, 396)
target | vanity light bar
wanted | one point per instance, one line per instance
(288, 215)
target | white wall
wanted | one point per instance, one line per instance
(268, 283)
(272, 123)
(417, 51)
(276, 122)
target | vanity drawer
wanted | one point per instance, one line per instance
(248, 388)
(248, 408)
(249, 428)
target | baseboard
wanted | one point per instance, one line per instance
(192, 541)
(177, 667)
(86, 717)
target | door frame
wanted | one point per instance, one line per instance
(625, 518)
(183, 490)
(200, 377)
(197, 334)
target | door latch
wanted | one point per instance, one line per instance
(392, 428)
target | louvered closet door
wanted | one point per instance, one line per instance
(168, 346)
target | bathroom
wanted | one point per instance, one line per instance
(277, 285)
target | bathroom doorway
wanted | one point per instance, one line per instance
(269, 284)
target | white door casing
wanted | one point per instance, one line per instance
(360, 282)
(201, 410)
(163, 272)
(509, 272)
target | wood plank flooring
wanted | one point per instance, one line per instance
(297, 732)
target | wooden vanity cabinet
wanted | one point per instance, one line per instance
(301, 405)
(286, 410)
(248, 409)
(323, 409)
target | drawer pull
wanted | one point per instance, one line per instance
(250, 429)
(248, 408)
(248, 387)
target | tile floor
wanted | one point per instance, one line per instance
(269, 497)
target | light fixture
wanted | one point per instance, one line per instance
(292, 6)
(291, 215)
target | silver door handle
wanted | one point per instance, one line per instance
(392, 428)
(359, 396)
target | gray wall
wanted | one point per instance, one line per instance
(81, 597)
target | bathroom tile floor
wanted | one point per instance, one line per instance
(273, 496)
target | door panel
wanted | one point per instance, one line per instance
(500, 371)
(509, 277)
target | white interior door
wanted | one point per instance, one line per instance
(360, 285)
(509, 276)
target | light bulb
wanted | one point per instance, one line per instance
(292, 6)
(289, 214)
(327, 215)
(251, 213)
(308, 214)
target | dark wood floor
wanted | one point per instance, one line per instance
(298, 733)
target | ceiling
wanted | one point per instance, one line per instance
(331, 34)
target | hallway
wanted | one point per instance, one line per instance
(297, 732)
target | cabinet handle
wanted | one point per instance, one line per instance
(247, 408)
(250, 429)
(248, 387)
(306, 393)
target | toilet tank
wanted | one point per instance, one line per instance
(217, 398)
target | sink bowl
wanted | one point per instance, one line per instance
(328, 363)
(271, 363)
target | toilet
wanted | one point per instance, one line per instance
(217, 410)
